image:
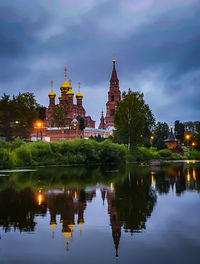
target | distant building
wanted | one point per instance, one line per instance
(171, 141)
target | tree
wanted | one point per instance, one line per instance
(17, 115)
(161, 132)
(41, 110)
(81, 124)
(133, 119)
(179, 130)
(59, 117)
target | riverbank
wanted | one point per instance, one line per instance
(19, 154)
(40, 153)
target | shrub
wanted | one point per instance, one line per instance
(165, 154)
(23, 156)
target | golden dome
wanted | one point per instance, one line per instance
(60, 97)
(70, 93)
(79, 95)
(52, 94)
(65, 86)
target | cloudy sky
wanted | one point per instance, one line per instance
(156, 44)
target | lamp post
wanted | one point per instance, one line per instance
(151, 139)
(188, 138)
(39, 125)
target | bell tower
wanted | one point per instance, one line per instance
(114, 95)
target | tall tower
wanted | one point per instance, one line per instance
(114, 95)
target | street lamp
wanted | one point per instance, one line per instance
(188, 138)
(39, 125)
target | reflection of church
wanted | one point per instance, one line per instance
(73, 202)
(68, 204)
(109, 193)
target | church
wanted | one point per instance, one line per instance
(49, 132)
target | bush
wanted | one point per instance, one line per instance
(165, 154)
(194, 154)
(23, 156)
(6, 161)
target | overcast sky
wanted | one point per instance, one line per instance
(156, 44)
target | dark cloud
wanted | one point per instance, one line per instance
(156, 45)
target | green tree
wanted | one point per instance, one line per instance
(133, 119)
(59, 117)
(17, 115)
(81, 125)
(179, 130)
(5, 117)
(161, 132)
(41, 110)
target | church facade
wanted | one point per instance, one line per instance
(66, 100)
(75, 111)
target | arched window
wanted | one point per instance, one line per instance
(112, 112)
(112, 97)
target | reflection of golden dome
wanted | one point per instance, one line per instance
(52, 94)
(67, 234)
(81, 222)
(53, 224)
(65, 86)
(71, 227)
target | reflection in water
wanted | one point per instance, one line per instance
(130, 194)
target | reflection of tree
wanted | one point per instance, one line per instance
(182, 176)
(18, 209)
(134, 202)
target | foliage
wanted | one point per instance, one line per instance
(179, 130)
(17, 115)
(81, 123)
(41, 110)
(59, 116)
(190, 126)
(161, 132)
(133, 119)
(61, 153)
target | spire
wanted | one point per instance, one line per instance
(65, 69)
(114, 74)
(102, 122)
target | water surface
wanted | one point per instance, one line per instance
(101, 215)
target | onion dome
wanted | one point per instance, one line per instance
(60, 97)
(52, 94)
(65, 86)
(70, 93)
(79, 95)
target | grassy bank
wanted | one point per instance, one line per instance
(19, 154)
(60, 153)
(146, 154)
